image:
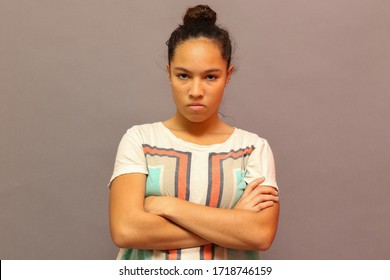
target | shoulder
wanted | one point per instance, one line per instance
(142, 133)
(145, 129)
(249, 138)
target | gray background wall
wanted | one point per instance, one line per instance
(312, 79)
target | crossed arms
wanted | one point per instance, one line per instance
(163, 222)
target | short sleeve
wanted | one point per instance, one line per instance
(261, 164)
(130, 157)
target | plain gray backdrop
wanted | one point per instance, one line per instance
(312, 78)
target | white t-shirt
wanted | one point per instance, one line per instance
(214, 175)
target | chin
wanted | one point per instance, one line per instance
(198, 120)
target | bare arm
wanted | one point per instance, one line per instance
(132, 227)
(251, 225)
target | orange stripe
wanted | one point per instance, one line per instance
(182, 168)
(157, 151)
(208, 252)
(182, 178)
(172, 254)
(216, 180)
(216, 171)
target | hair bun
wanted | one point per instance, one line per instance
(200, 13)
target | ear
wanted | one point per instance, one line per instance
(169, 71)
(229, 73)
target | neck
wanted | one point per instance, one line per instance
(210, 126)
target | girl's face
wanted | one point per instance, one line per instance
(198, 76)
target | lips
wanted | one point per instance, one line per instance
(196, 106)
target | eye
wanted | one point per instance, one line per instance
(211, 77)
(182, 76)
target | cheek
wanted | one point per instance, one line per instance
(177, 88)
(218, 93)
(177, 95)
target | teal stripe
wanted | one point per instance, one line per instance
(242, 255)
(135, 254)
(153, 181)
(241, 185)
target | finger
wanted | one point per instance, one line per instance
(260, 199)
(264, 205)
(261, 191)
(254, 184)
(267, 190)
(260, 180)
(264, 198)
(257, 181)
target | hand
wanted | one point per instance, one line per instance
(256, 197)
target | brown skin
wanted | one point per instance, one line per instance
(198, 75)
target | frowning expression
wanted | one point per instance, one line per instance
(198, 75)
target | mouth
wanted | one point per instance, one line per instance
(196, 106)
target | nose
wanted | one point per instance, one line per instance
(196, 89)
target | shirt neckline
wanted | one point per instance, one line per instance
(194, 145)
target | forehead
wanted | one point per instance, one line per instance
(198, 52)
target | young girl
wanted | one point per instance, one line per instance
(193, 187)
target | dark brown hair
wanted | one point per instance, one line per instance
(199, 21)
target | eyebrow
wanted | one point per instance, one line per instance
(212, 70)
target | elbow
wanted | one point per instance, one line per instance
(119, 237)
(265, 232)
(263, 241)
(264, 246)
(119, 242)
(130, 232)
(124, 237)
